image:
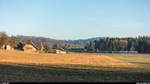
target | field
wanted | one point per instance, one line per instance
(17, 66)
(139, 59)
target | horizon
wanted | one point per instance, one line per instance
(79, 38)
(75, 19)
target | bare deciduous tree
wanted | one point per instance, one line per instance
(4, 39)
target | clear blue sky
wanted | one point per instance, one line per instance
(75, 19)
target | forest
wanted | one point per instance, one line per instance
(140, 44)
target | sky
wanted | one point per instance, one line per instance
(75, 19)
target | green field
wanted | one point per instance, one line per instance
(140, 59)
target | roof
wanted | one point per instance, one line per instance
(32, 44)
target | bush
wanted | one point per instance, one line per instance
(48, 49)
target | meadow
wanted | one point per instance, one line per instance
(17, 66)
(139, 59)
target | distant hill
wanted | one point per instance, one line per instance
(82, 41)
(37, 39)
(50, 41)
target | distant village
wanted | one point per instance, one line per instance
(12, 43)
(31, 47)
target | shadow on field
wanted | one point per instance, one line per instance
(13, 73)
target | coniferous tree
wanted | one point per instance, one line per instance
(140, 44)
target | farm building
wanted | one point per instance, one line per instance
(7, 47)
(29, 48)
(60, 52)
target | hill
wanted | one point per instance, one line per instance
(50, 41)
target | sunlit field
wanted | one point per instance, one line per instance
(61, 59)
(72, 67)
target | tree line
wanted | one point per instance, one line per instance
(140, 44)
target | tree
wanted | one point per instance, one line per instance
(56, 46)
(39, 45)
(123, 44)
(140, 44)
(132, 48)
(13, 42)
(48, 49)
(4, 39)
(20, 46)
(86, 47)
(148, 46)
(91, 47)
(28, 42)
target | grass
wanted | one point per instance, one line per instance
(140, 59)
(16, 66)
(61, 59)
(14, 73)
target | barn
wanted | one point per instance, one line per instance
(60, 51)
(29, 48)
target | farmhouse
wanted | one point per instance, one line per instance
(29, 48)
(7, 47)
